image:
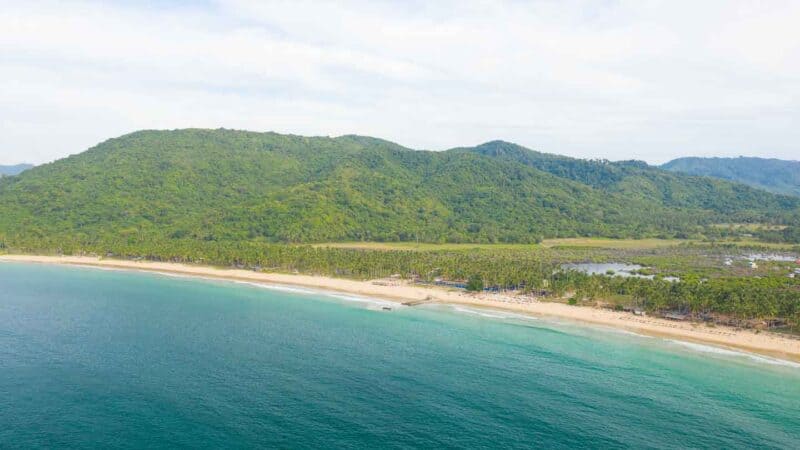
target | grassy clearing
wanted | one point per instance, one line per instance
(547, 243)
(757, 244)
(749, 226)
(423, 246)
(613, 243)
(577, 243)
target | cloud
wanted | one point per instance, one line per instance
(615, 79)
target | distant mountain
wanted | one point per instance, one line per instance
(237, 185)
(14, 170)
(774, 175)
(632, 180)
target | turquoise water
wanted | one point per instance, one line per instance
(93, 358)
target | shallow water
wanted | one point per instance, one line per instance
(618, 269)
(771, 257)
(123, 359)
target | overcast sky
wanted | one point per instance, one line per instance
(598, 79)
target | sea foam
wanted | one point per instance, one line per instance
(726, 352)
(360, 299)
(492, 313)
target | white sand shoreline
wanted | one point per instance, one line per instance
(768, 344)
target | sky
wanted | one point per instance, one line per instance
(637, 79)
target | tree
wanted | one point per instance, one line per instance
(475, 283)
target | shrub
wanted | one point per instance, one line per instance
(475, 283)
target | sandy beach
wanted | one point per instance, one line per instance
(764, 343)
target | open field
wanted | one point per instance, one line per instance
(757, 243)
(547, 243)
(599, 243)
(613, 243)
(423, 246)
(748, 226)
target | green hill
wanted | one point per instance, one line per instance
(774, 175)
(14, 170)
(217, 185)
(636, 180)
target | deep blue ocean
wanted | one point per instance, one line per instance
(94, 358)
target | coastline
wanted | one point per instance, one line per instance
(765, 343)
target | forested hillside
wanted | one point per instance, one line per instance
(637, 180)
(215, 185)
(774, 175)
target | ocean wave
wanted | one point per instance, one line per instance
(257, 284)
(172, 275)
(492, 313)
(293, 290)
(360, 299)
(733, 353)
(320, 292)
(625, 332)
(277, 287)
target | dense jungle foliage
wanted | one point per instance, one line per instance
(224, 185)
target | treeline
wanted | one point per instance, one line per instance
(789, 234)
(739, 298)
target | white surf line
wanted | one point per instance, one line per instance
(730, 352)
(490, 313)
(258, 284)
(687, 345)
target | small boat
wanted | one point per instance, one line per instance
(386, 308)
